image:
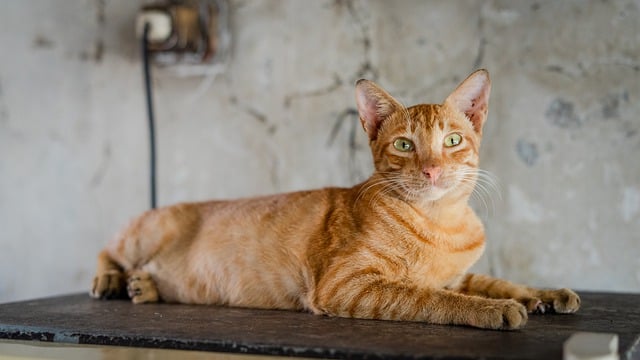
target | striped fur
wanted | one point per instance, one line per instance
(397, 246)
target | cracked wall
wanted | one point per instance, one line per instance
(562, 133)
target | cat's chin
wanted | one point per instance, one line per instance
(433, 194)
(427, 195)
(436, 193)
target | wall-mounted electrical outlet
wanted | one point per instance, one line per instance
(184, 32)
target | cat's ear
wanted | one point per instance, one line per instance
(374, 106)
(471, 98)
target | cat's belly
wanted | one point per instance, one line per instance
(218, 286)
(444, 268)
(231, 273)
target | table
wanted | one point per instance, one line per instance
(78, 319)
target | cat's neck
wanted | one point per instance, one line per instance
(448, 208)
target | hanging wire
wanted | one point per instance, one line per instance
(152, 132)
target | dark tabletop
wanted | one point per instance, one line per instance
(80, 320)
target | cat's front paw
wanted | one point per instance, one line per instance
(502, 315)
(535, 305)
(562, 301)
(108, 285)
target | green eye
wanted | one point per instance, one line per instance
(452, 140)
(403, 144)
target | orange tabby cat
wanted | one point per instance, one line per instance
(396, 246)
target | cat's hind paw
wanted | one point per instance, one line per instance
(108, 285)
(141, 287)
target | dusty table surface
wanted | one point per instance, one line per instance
(79, 319)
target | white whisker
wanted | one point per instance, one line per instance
(483, 185)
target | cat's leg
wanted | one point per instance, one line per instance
(160, 236)
(141, 288)
(380, 299)
(109, 281)
(536, 300)
(112, 282)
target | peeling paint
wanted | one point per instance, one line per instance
(611, 104)
(562, 114)
(95, 54)
(101, 17)
(43, 42)
(527, 151)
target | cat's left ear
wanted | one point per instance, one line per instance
(471, 98)
(374, 106)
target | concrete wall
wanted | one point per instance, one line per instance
(563, 136)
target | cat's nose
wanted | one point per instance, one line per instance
(432, 173)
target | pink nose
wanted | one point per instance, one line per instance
(432, 173)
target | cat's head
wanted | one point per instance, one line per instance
(426, 152)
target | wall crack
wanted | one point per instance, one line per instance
(337, 82)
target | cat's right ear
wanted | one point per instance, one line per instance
(471, 98)
(374, 106)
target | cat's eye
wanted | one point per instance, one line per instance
(403, 144)
(452, 140)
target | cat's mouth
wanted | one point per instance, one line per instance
(427, 189)
(418, 188)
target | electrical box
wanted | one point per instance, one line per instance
(190, 34)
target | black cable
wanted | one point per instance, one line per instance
(152, 131)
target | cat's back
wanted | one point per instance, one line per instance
(280, 213)
(277, 228)
(287, 220)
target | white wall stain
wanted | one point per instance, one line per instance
(523, 209)
(630, 204)
(502, 16)
(589, 253)
(594, 215)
